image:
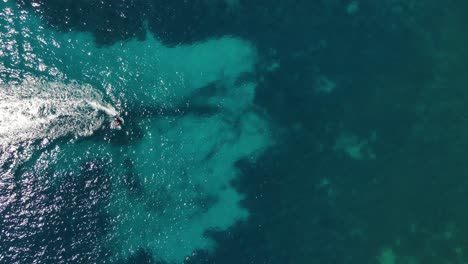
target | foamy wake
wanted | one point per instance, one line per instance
(44, 110)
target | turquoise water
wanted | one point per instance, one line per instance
(253, 132)
(167, 176)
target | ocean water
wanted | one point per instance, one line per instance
(252, 131)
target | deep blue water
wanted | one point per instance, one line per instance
(253, 131)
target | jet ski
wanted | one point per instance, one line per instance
(117, 122)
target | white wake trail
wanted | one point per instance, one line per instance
(45, 110)
(108, 109)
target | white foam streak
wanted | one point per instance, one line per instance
(38, 110)
(108, 109)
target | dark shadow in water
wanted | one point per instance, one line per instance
(109, 20)
(130, 180)
(139, 257)
(172, 21)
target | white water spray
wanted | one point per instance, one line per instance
(108, 109)
(42, 110)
